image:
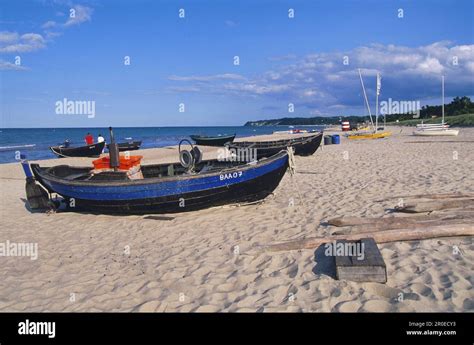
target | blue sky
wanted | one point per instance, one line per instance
(190, 60)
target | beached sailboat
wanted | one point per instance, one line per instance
(123, 187)
(374, 133)
(436, 129)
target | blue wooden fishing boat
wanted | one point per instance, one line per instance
(163, 188)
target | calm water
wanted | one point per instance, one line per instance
(12, 140)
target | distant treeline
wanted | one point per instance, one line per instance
(459, 106)
(305, 121)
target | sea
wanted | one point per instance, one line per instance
(34, 143)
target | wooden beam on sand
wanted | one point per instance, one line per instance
(406, 234)
(368, 267)
(398, 225)
(438, 141)
(431, 196)
(435, 205)
(394, 222)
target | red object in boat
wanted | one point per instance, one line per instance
(125, 162)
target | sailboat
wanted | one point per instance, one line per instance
(436, 129)
(374, 134)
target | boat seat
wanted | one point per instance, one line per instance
(110, 176)
(79, 176)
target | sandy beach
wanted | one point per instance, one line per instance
(199, 261)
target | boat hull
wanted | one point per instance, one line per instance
(93, 150)
(305, 146)
(128, 146)
(212, 141)
(246, 183)
(437, 133)
(378, 135)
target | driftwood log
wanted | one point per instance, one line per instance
(400, 222)
(432, 196)
(435, 205)
(406, 234)
(398, 225)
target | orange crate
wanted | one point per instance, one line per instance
(125, 163)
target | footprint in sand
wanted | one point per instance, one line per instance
(292, 270)
(468, 304)
(376, 306)
(347, 306)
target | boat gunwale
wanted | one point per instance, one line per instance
(199, 137)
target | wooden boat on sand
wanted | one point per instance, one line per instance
(163, 188)
(219, 140)
(128, 146)
(303, 146)
(93, 150)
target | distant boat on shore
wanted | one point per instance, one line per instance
(93, 150)
(436, 129)
(128, 146)
(374, 133)
(303, 146)
(218, 140)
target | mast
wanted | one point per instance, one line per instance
(442, 95)
(365, 97)
(377, 92)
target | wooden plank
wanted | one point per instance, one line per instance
(411, 223)
(369, 268)
(395, 222)
(430, 196)
(407, 234)
(435, 205)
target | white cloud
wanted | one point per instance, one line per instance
(52, 34)
(49, 24)
(226, 76)
(184, 89)
(8, 37)
(8, 66)
(322, 80)
(230, 23)
(282, 57)
(78, 14)
(12, 42)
